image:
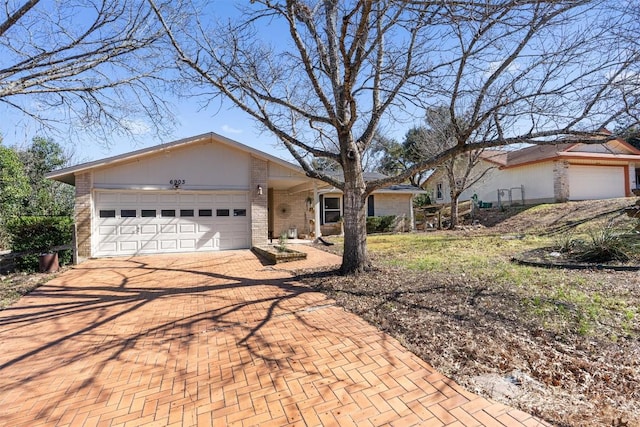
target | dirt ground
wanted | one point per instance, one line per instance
(489, 337)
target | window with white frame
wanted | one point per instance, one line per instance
(332, 211)
(439, 191)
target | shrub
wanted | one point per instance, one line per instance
(37, 234)
(422, 200)
(566, 242)
(604, 245)
(380, 224)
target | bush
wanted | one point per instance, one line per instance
(422, 200)
(604, 245)
(380, 224)
(37, 234)
(566, 242)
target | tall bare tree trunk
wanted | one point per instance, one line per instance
(355, 258)
(454, 210)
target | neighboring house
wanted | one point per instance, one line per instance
(205, 193)
(551, 173)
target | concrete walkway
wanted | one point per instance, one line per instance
(213, 339)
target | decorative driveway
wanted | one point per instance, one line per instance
(213, 339)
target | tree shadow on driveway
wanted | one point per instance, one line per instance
(167, 339)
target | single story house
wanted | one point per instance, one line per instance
(205, 193)
(549, 173)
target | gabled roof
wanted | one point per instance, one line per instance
(616, 149)
(67, 175)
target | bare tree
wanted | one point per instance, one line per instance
(536, 70)
(89, 65)
(439, 135)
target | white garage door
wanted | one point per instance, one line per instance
(596, 182)
(129, 223)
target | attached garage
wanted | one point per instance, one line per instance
(199, 194)
(130, 222)
(589, 182)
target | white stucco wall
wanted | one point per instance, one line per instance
(202, 166)
(537, 180)
(392, 204)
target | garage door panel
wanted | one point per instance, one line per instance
(205, 227)
(237, 227)
(168, 244)
(107, 230)
(150, 246)
(187, 244)
(187, 228)
(168, 228)
(596, 182)
(128, 246)
(108, 247)
(127, 229)
(196, 226)
(149, 229)
(207, 244)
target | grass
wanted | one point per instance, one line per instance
(564, 301)
(449, 252)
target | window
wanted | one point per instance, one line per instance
(222, 212)
(205, 212)
(239, 212)
(439, 191)
(148, 213)
(371, 210)
(332, 210)
(127, 213)
(186, 212)
(107, 213)
(168, 212)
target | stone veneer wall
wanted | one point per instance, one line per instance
(259, 202)
(561, 181)
(82, 214)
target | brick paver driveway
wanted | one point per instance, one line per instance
(212, 339)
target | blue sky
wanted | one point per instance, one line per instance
(229, 122)
(18, 130)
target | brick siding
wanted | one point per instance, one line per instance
(259, 211)
(82, 214)
(298, 214)
(561, 181)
